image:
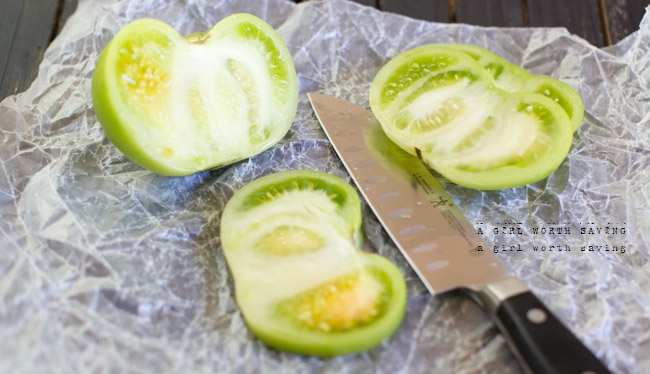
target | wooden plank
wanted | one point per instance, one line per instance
(8, 24)
(580, 17)
(490, 12)
(624, 17)
(69, 6)
(24, 40)
(372, 3)
(429, 10)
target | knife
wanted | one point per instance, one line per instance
(440, 244)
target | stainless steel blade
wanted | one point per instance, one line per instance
(428, 228)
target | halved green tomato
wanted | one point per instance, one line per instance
(292, 242)
(512, 78)
(440, 104)
(179, 105)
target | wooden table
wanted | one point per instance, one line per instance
(28, 26)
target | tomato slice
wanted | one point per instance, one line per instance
(179, 105)
(513, 78)
(440, 104)
(291, 240)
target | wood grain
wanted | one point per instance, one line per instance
(624, 16)
(372, 3)
(27, 26)
(67, 7)
(490, 12)
(429, 10)
(580, 17)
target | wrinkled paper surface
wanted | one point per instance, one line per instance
(106, 267)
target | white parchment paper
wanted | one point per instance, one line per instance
(106, 267)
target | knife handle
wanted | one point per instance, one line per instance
(541, 340)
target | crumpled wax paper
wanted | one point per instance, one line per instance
(106, 267)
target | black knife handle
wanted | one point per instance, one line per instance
(542, 341)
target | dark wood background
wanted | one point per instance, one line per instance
(28, 26)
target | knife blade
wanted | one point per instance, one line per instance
(441, 245)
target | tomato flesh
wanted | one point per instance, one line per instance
(463, 124)
(513, 78)
(292, 240)
(179, 105)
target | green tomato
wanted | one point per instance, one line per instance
(292, 242)
(513, 78)
(178, 106)
(440, 104)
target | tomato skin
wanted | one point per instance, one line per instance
(274, 290)
(502, 177)
(513, 78)
(335, 344)
(181, 124)
(442, 104)
(111, 112)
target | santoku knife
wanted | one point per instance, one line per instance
(440, 244)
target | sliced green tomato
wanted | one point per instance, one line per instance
(513, 78)
(292, 240)
(179, 105)
(463, 125)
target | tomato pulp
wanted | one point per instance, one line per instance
(179, 105)
(292, 242)
(440, 103)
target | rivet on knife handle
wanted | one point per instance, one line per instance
(440, 244)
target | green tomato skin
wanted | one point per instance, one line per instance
(502, 177)
(278, 329)
(118, 119)
(463, 124)
(110, 112)
(513, 78)
(323, 344)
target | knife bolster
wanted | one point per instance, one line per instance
(493, 294)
